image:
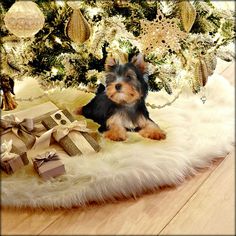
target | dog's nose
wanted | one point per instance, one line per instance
(118, 87)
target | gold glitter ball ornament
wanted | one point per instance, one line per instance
(24, 19)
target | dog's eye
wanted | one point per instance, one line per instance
(128, 78)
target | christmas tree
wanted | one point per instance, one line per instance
(179, 39)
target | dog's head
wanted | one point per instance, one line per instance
(125, 84)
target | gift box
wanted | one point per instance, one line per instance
(73, 136)
(48, 165)
(24, 126)
(12, 159)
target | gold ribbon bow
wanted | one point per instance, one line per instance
(60, 131)
(48, 156)
(6, 153)
(21, 128)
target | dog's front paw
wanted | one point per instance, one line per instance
(153, 133)
(115, 135)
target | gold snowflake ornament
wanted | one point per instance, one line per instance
(160, 35)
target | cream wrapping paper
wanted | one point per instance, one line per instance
(6, 154)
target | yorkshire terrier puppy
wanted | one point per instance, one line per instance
(120, 106)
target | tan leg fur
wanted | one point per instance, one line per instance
(151, 130)
(116, 131)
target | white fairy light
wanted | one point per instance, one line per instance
(165, 8)
(58, 40)
(54, 70)
(92, 11)
(60, 3)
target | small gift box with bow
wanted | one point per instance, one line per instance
(48, 165)
(12, 159)
(72, 135)
(22, 129)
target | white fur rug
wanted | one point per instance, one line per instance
(196, 134)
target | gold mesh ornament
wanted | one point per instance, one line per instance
(160, 35)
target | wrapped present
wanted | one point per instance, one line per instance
(73, 136)
(12, 159)
(22, 127)
(39, 112)
(48, 165)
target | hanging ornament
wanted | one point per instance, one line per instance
(7, 92)
(204, 68)
(202, 72)
(196, 84)
(211, 61)
(24, 19)
(78, 29)
(187, 14)
(160, 36)
(203, 99)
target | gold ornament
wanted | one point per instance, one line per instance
(24, 19)
(203, 68)
(187, 14)
(196, 78)
(203, 72)
(161, 35)
(78, 29)
(211, 61)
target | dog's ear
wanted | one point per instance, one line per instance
(110, 63)
(139, 62)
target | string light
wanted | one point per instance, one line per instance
(92, 11)
(58, 40)
(54, 70)
(60, 3)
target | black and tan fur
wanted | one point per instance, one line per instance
(120, 106)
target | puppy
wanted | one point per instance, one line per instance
(120, 106)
